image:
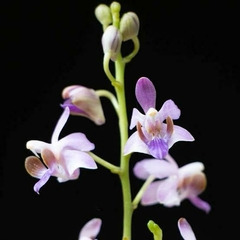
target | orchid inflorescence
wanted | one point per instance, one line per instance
(155, 134)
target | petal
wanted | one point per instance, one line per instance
(35, 167)
(135, 144)
(77, 141)
(159, 168)
(136, 117)
(158, 148)
(90, 229)
(60, 124)
(36, 146)
(145, 93)
(190, 169)
(169, 109)
(150, 195)
(185, 229)
(199, 203)
(167, 192)
(180, 134)
(42, 181)
(74, 176)
(75, 159)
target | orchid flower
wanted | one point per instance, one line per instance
(185, 229)
(60, 158)
(187, 183)
(83, 101)
(90, 230)
(153, 135)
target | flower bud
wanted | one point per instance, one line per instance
(103, 14)
(83, 101)
(112, 41)
(129, 25)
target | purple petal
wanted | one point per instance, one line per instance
(73, 159)
(158, 148)
(159, 168)
(60, 124)
(135, 144)
(150, 195)
(199, 203)
(185, 229)
(180, 134)
(136, 117)
(77, 141)
(42, 181)
(145, 93)
(169, 109)
(91, 229)
(167, 192)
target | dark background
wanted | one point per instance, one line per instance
(189, 49)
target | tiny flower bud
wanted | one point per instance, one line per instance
(103, 14)
(83, 101)
(111, 41)
(129, 25)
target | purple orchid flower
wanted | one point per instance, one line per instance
(153, 135)
(186, 229)
(188, 182)
(90, 230)
(84, 102)
(61, 158)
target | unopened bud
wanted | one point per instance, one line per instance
(129, 25)
(112, 41)
(103, 14)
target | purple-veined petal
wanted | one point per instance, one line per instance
(90, 229)
(135, 144)
(180, 134)
(42, 181)
(77, 141)
(167, 192)
(60, 124)
(150, 195)
(185, 229)
(36, 146)
(73, 159)
(168, 109)
(158, 148)
(199, 203)
(145, 93)
(159, 168)
(35, 167)
(136, 117)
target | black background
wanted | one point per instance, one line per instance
(189, 49)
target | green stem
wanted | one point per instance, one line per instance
(141, 191)
(124, 160)
(104, 163)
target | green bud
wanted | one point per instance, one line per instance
(129, 25)
(112, 41)
(155, 230)
(103, 14)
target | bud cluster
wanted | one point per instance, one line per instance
(115, 29)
